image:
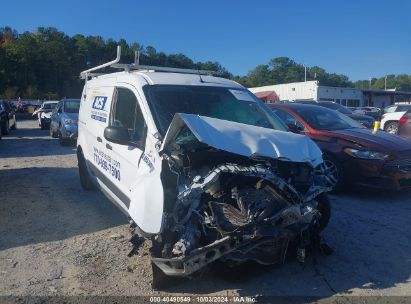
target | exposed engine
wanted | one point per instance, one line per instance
(229, 207)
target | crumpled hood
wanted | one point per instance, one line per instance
(246, 140)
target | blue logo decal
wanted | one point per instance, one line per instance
(99, 102)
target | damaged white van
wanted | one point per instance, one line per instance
(200, 166)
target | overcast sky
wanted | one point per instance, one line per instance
(352, 37)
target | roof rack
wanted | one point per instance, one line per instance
(138, 67)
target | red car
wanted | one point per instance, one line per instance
(404, 128)
(351, 152)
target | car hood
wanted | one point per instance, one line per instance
(246, 140)
(45, 114)
(72, 116)
(382, 140)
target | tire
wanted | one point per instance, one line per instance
(85, 180)
(391, 127)
(60, 136)
(5, 127)
(324, 207)
(14, 127)
(336, 174)
(52, 133)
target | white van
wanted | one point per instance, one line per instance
(200, 166)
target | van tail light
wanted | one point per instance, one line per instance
(403, 120)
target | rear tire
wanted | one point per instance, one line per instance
(391, 127)
(85, 180)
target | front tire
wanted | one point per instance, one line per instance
(335, 176)
(391, 127)
(85, 180)
(43, 125)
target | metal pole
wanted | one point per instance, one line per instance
(369, 85)
(305, 73)
(385, 83)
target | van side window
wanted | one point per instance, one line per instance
(127, 113)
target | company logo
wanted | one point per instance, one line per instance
(99, 102)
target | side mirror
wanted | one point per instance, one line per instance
(294, 128)
(117, 135)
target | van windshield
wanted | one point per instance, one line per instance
(235, 105)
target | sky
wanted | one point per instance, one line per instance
(358, 38)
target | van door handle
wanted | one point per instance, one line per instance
(108, 146)
(99, 139)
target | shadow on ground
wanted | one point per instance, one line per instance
(48, 204)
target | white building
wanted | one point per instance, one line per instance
(350, 97)
(311, 90)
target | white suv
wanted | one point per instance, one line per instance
(391, 116)
(201, 167)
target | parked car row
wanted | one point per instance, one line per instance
(352, 153)
(60, 118)
(7, 118)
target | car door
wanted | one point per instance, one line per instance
(134, 175)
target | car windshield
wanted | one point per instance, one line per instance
(325, 119)
(49, 106)
(235, 105)
(71, 106)
(337, 107)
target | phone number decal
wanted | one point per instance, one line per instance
(105, 162)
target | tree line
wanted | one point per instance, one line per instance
(45, 64)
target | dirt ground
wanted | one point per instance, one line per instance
(56, 239)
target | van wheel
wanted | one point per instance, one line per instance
(85, 181)
(324, 207)
(391, 127)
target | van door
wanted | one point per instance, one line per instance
(134, 175)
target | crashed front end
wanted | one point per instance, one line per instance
(237, 199)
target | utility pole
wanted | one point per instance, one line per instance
(305, 73)
(385, 83)
(369, 84)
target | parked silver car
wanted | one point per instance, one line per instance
(64, 120)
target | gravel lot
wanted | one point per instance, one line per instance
(56, 239)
